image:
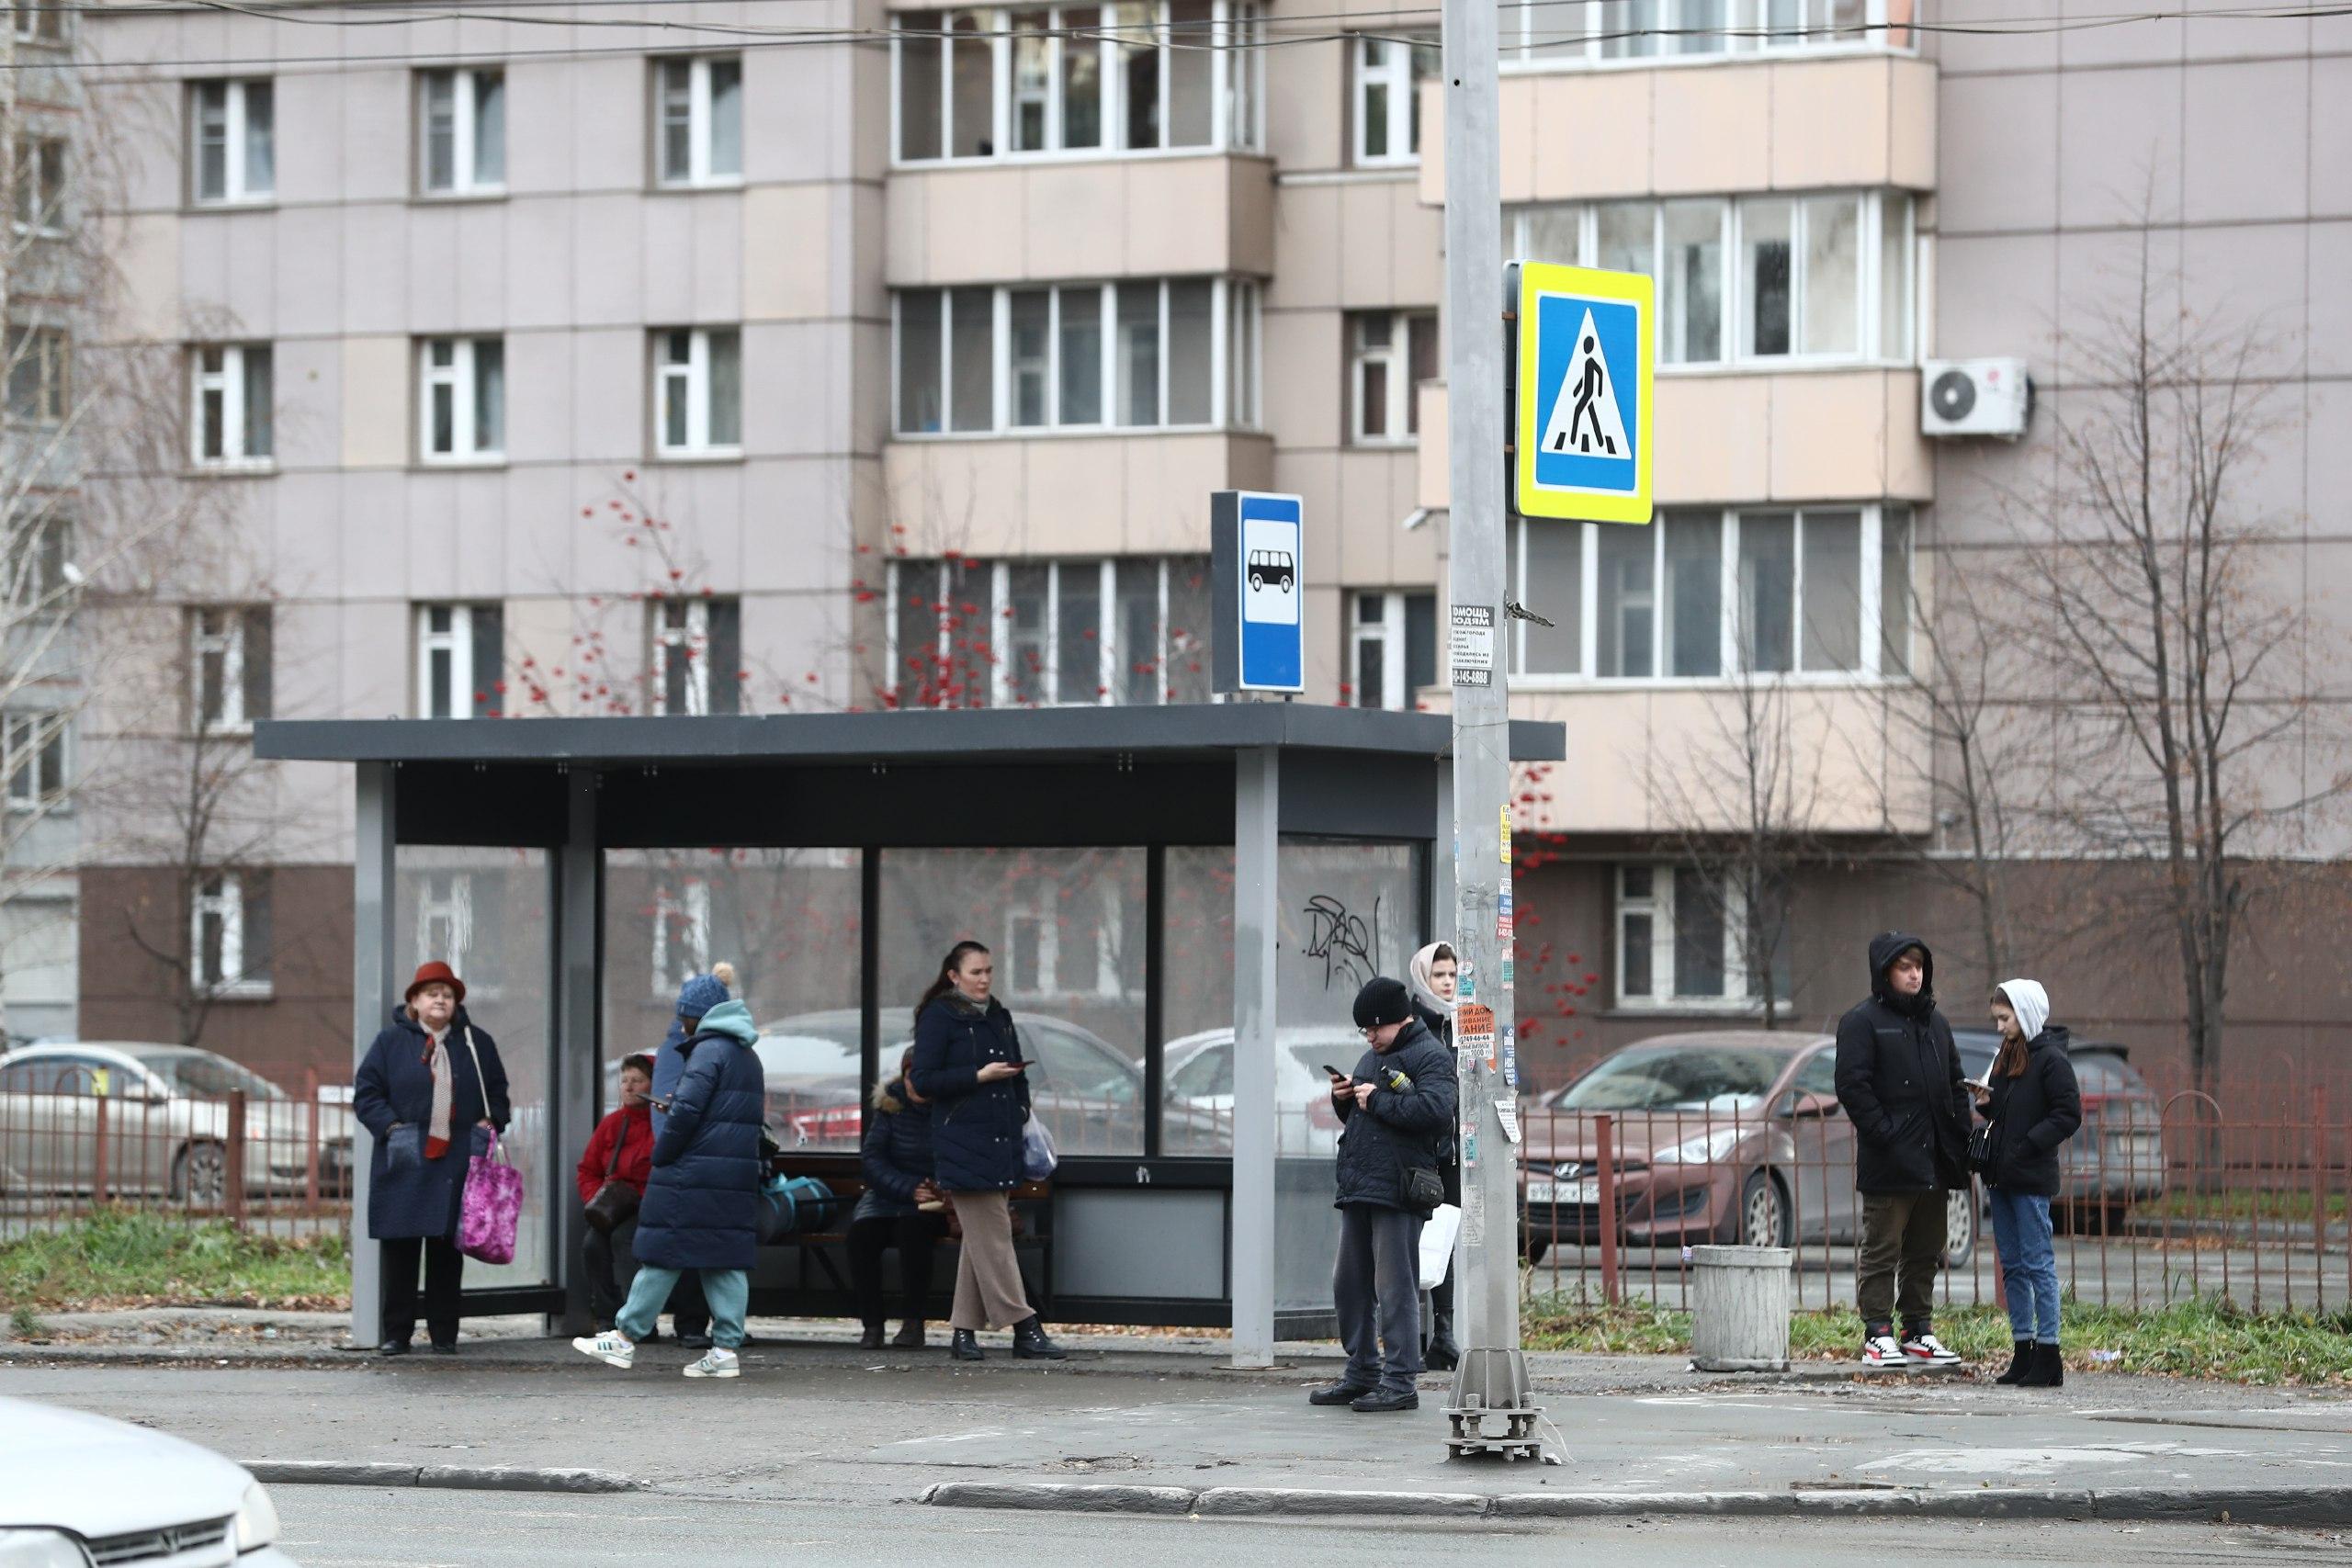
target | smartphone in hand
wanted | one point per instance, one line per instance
(1333, 1071)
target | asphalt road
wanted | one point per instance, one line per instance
(333, 1526)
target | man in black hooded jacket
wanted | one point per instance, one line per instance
(1899, 1080)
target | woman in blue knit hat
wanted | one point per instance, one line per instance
(689, 1313)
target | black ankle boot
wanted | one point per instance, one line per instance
(872, 1338)
(2043, 1367)
(1443, 1355)
(2021, 1362)
(965, 1345)
(1030, 1344)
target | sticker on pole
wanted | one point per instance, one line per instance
(1474, 1032)
(1583, 420)
(1474, 645)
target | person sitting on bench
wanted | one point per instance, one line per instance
(901, 1207)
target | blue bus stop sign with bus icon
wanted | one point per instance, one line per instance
(1583, 429)
(1258, 583)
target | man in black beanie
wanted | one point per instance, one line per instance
(1398, 1108)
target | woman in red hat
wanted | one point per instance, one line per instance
(429, 1089)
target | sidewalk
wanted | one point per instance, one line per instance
(816, 1419)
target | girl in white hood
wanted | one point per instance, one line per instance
(2033, 1105)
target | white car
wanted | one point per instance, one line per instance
(65, 1504)
(1200, 1089)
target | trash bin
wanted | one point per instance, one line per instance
(1739, 1309)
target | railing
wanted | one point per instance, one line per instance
(2160, 1203)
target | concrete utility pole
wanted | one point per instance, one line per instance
(1492, 1409)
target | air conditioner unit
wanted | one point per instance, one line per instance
(1975, 397)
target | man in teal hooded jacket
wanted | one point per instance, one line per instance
(701, 1207)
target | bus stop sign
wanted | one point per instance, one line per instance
(1258, 584)
(1582, 422)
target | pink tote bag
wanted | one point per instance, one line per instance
(493, 1199)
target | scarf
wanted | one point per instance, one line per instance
(1420, 973)
(444, 1094)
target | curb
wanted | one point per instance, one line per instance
(444, 1477)
(2141, 1504)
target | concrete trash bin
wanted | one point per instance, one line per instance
(1739, 1309)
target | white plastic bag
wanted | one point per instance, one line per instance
(1037, 1156)
(1437, 1244)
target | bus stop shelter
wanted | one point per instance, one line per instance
(1181, 901)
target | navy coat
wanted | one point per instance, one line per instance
(974, 1126)
(1399, 1128)
(409, 1195)
(701, 1207)
(896, 1154)
(1899, 1080)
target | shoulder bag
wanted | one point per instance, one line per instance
(616, 1202)
(491, 1208)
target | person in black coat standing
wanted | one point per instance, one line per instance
(2033, 1105)
(1899, 1080)
(431, 1091)
(968, 1061)
(901, 1207)
(1433, 974)
(1398, 1109)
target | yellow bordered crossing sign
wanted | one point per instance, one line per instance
(1585, 351)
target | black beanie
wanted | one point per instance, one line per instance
(1382, 1001)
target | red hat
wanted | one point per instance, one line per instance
(434, 973)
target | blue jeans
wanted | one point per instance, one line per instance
(2029, 1263)
(729, 1290)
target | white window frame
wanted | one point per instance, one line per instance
(929, 578)
(1396, 356)
(1740, 995)
(1388, 633)
(39, 210)
(1237, 83)
(221, 894)
(466, 85)
(687, 908)
(444, 918)
(465, 390)
(1540, 28)
(229, 642)
(458, 642)
(23, 743)
(699, 175)
(49, 350)
(45, 22)
(691, 379)
(1044, 910)
(234, 192)
(229, 381)
(690, 641)
(1869, 672)
(1395, 75)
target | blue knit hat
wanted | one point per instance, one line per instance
(700, 993)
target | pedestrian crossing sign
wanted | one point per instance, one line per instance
(1583, 419)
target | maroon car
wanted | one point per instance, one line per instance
(1719, 1135)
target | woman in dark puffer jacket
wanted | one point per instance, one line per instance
(2034, 1106)
(901, 1207)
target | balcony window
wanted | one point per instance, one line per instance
(1392, 648)
(1050, 633)
(32, 753)
(698, 392)
(1566, 33)
(698, 121)
(229, 933)
(1680, 943)
(695, 655)
(462, 388)
(40, 21)
(234, 143)
(229, 649)
(460, 661)
(1053, 81)
(39, 372)
(1820, 279)
(231, 388)
(1388, 99)
(40, 198)
(461, 132)
(1391, 352)
(1822, 592)
(1132, 355)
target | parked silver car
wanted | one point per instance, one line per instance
(164, 1110)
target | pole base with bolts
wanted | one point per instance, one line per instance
(1490, 1391)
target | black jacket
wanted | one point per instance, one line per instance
(1899, 1080)
(974, 1126)
(1400, 1127)
(702, 1202)
(2031, 1115)
(895, 1154)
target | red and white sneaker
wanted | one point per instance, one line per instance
(1880, 1352)
(1927, 1350)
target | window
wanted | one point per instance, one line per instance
(1388, 100)
(229, 655)
(696, 654)
(1392, 648)
(461, 132)
(463, 381)
(1577, 32)
(40, 199)
(444, 918)
(233, 132)
(1132, 355)
(229, 936)
(1146, 75)
(681, 935)
(40, 548)
(1035, 634)
(230, 390)
(1822, 592)
(698, 121)
(1823, 279)
(698, 391)
(34, 746)
(40, 21)
(1680, 945)
(460, 661)
(1390, 354)
(39, 367)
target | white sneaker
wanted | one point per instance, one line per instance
(609, 1347)
(719, 1363)
(1880, 1351)
(1927, 1350)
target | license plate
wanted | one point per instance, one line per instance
(1584, 1190)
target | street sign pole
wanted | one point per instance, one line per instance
(1492, 1410)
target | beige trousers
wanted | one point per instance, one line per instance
(988, 1292)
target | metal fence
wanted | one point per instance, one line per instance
(2162, 1201)
(70, 1143)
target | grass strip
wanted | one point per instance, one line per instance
(133, 1257)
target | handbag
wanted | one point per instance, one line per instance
(616, 1202)
(1424, 1189)
(1980, 1148)
(492, 1209)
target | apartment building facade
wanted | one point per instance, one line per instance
(726, 366)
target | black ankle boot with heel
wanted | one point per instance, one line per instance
(2021, 1362)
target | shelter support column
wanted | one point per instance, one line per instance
(373, 984)
(577, 1053)
(1257, 851)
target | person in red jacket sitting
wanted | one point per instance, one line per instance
(630, 1131)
